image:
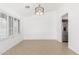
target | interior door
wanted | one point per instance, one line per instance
(65, 31)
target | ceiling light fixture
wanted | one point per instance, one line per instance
(39, 10)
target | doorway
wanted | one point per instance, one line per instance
(65, 28)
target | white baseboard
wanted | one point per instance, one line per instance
(75, 50)
(4, 50)
(38, 39)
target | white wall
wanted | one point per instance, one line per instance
(40, 27)
(11, 40)
(9, 43)
(73, 29)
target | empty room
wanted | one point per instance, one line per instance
(39, 28)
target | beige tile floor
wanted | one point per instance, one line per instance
(40, 47)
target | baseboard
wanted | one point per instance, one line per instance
(39, 39)
(74, 50)
(10, 46)
(59, 41)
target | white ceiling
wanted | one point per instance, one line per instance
(20, 9)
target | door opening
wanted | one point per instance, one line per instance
(65, 28)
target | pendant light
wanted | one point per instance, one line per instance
(39, 10)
